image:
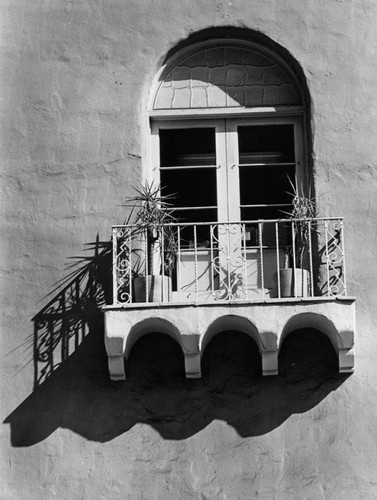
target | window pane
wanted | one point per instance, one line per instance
(193, 187)
(266, 184)
(267, 169)
(203, 215)
(264, 213)
(266, 144)
(268, 229)
(185, 147)
(187, 233)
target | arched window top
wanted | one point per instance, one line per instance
(224, 74)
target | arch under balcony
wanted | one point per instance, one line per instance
(151, 325)
(231, 357)
(230, 322)
(312, 320)
(307, 353)
(155, 358)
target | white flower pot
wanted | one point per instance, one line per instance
(294, 284)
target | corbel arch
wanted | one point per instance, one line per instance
(311, 320)
(151, 325)
(230, 322)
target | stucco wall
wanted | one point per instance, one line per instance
(75, 77)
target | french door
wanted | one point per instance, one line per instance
(226, 171)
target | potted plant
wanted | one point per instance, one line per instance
(294, 277)
(150, 217)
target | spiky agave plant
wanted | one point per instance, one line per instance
(302, 216)
(151, 213)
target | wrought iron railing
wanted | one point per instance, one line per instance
(230, 261)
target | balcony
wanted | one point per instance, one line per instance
(256, 277)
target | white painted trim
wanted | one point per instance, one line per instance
(234, 112)
(232, 188)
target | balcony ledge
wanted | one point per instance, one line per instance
(282, 301)
(267, 322)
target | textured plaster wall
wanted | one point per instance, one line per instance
(75, 77)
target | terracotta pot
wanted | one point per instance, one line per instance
(159, 289)
(293, 284)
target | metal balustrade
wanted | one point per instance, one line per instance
(229, 261)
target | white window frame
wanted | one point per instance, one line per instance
(227, 160)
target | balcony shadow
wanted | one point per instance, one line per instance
(72, 388)
(330, 261)
(79, 395)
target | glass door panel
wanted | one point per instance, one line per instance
(226, 171)
(265, 153)
(266, 170)
(188, 172)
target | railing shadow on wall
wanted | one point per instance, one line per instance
(73, 389)
(60, 326)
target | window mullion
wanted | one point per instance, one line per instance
(233, 185)
(221, 177)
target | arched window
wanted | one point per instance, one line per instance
(227, 135)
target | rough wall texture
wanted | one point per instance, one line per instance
(75, 77)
